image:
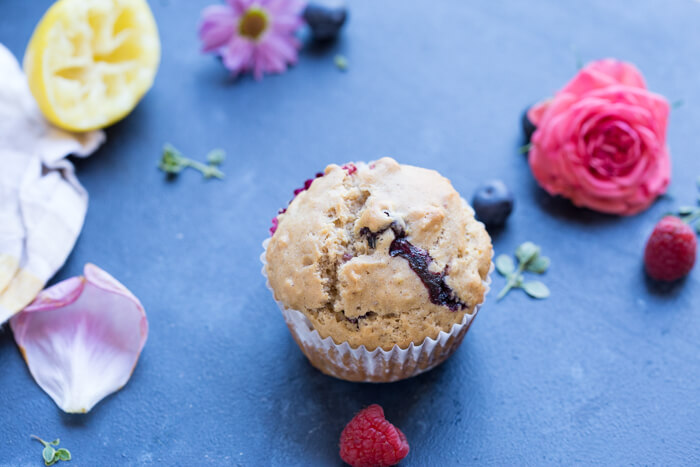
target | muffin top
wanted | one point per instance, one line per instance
(379, 254)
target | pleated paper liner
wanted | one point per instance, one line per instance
(379, 365)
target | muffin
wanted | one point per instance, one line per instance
(378, 268)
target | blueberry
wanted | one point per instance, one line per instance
(493, 203)
(528, 127)
(325, 18)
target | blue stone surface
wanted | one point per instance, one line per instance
(606, 371)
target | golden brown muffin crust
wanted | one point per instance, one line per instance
(323, 261)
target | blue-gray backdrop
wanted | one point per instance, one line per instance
(606, 371)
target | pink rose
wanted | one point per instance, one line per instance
(601, 141)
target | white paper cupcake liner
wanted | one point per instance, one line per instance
(379, 365)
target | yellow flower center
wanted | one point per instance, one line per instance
(253, 23)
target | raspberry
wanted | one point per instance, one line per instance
(350, 168)
(307, 184)
(369, 440)
(670, 250)
(276, 222)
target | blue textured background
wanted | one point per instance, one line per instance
(606, 371)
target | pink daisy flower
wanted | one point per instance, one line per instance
(253, 35)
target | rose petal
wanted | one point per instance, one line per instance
(536, 112)
(621, 72)
(81, 338)
(601, 141)
(603, 73)
(62, 294)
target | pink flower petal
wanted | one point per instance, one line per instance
(536, 112)
(81, 338)
(621, 72)
(271, 52)
(283, 48)
(62, 294)
(603, 73)
(601, 141)
(217, 27)
(272, 62)
(237, 56)
(290, 7)
(240, 6)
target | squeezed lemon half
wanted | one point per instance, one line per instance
(89, 62)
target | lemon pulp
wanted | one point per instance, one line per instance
(89, 62)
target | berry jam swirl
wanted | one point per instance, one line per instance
(419, 261)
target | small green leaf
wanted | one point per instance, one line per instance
(216, 156)
(527, 252)
(173, 162)
(56, 442)
(539, 265)
(524, 149)
(63, 454)
(504, 291)
(341, 62)
(685, 210)
(170, 168)
(536, 289)
(529, 259)
(211, 171)
(48, 454)
(505, 265)
(39, 439)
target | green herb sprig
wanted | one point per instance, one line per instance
(525, 148)
(529, 259)
(50, 454)
(341, 62)
(173, 162)
(689, 214)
